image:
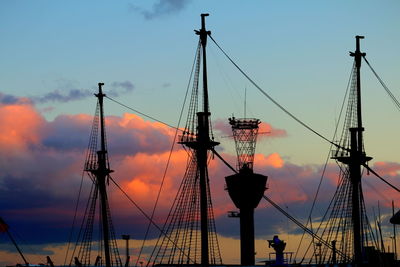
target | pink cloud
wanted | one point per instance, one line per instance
(265, 129)
(272, 160)
(21, 126)
(50, 158)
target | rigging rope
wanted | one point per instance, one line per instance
(327, 158)
(148, 217)
(395, 101)
(303, 227)
(306, 230)
(74, 219)
(223, 160)
(167, 165)
(380, 177)
(143, 114)
(270, 98)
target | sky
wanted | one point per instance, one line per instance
(53, 54)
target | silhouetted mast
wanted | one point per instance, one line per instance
(355, 158)
(203, 147)
(97, 167)
(101, 174)
(358, 57)
(191, 224)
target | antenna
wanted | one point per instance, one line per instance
(245, 98)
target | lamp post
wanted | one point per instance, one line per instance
(127, 237)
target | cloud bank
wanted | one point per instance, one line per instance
(42, 162)
(68, 94)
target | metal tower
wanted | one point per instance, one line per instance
(97, 166)
(189, 234)
(246, 188)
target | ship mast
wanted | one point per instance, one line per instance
(191, 224)
(202, 148)
(98, 169)
(355, 158)
(101, 174)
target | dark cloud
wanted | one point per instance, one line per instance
(73, 94)
(69, 133)
(63, 97)
(126, 85)
(8, 99)
(39, 182)
(11, 99)
(120, 88)
(161, 8)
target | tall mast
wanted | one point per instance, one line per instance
(203, 147)
(358, 58)
(97, 167)
(203, 38)
(357, 159)
(101, 174)
(191, 231)
(354, 158)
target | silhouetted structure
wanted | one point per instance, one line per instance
(348, 224)
(246, 188)
(5, 228)
(128, 257)
(279, 246)
(189, 235)
(97, 166)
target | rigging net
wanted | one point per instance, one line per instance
(345, 223)
(97, 167)
(189, 234)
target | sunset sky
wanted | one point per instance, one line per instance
(53, 54)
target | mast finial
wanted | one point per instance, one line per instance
(101, 89)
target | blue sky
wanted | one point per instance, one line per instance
(55, 53)
(297, 51)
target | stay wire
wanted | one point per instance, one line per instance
(143, 114)
(88, 150)
(148, 217)
(74, 219)
(223, 160)
(327, 158)
(381, 178)
(395, 101)
(270, 98)
(320, 239)
(168, 162)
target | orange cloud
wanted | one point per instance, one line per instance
(141, 175)
(272, 160)
(21, 126)
(266, 130)
(139, 152)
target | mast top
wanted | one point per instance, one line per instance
(357, 54)
(202, 32)
(203, 20)
(100, 94)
